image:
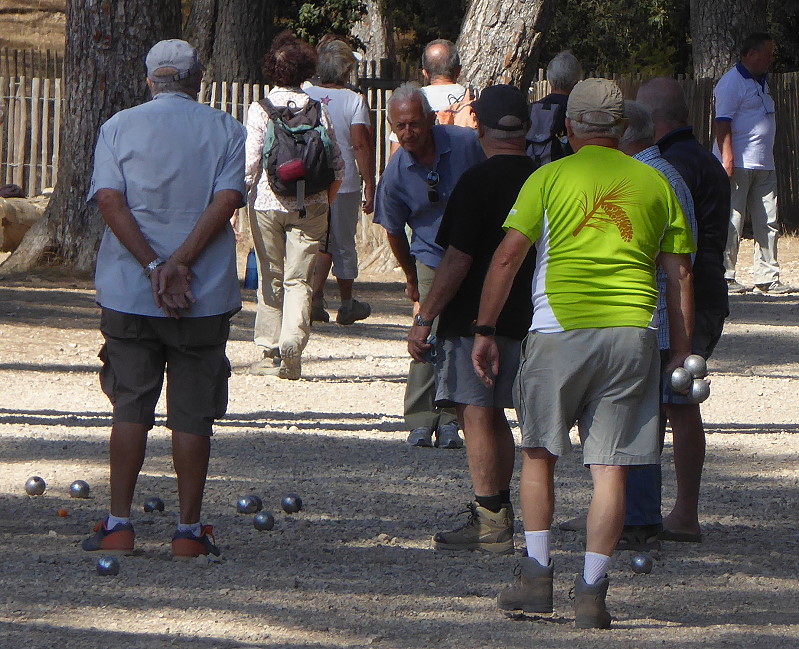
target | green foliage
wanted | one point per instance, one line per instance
(623, 36)
(783, 18)
(312, 20)
(420, 21)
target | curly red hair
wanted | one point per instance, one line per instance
(289, 61)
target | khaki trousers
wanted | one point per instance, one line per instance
(285, 247)
(420, 390)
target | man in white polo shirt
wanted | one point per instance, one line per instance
(745, 128)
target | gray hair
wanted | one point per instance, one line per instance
(564, 71)
(409, 91)
(640, 127)
(335, 62)
(441, 66)
(188, 85)
(665, 100)
(498, 134)
(584, 131)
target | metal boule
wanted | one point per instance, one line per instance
(249, 504)
(79, 489)
(696, 365)
(263, 521)
(153, 504)
(35, 486)
(291, 503)
(681, 380)
(641, 564)
(108, 566)
(700, 390)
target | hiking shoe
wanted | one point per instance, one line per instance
(775, 288)
(290, 364)
(358, 311)
(576, 524)
(484, 530)
(422, 436)
(185, 545)
(318, 313)
(447, 436)
(589, 604)
(734, 287)
(119, 539)
(639, 538)
(532, 592)
(267, 366)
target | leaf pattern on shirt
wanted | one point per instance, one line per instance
(608, 207)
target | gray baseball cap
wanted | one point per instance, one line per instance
(599, 97)
(172, 60)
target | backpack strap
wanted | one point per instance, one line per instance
(270, 109)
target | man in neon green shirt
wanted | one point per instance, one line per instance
(600, 221)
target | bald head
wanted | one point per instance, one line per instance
(666, 103)
(440, 61)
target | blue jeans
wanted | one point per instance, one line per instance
(643, 495)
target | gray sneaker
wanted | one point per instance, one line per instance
(422, 436)
(267, 366)
(447, 436)
(290, 364)
(775, 288)
(735, 288)
(358, 311)
(589, 604)
(484, 530)
(532, 592)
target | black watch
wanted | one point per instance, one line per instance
(483, 330)
(419, 321)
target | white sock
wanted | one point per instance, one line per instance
(538, 546)
(596, 567)
(112, 521)
(194, 528)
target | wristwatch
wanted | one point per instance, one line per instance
(419, 321)
(483, 330)
(155, 263)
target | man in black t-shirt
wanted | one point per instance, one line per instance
(470, 232)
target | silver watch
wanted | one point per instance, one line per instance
(155, 263)
(419, 321)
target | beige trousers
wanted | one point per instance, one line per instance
(285, 247)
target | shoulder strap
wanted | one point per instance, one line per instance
(270, 109)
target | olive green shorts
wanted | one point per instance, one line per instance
(137, 351)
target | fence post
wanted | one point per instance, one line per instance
(46, 172)
(33, 169)
(56, 129)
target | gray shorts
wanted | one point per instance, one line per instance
(456, 381)
(340, 240)
(606, 380)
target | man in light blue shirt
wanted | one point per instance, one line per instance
(413, 192)
(168, 176)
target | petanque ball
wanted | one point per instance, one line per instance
(696, 365)
(641, 564)
(108, 566)
(249, 504)
(35, 486)
(153, 504)
(291, 503)
(700, 390)
(79, 489)
(263, 521)
(681, 379)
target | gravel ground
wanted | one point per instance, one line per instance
(356, 568)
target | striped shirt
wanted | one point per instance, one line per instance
(652, 157)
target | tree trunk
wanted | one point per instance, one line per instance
(106, 43)
(376, 31)
(717, 29)
(499, 41)
(231, 36)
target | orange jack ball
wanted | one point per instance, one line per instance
(63, 513)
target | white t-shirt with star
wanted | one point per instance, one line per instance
(346, 109)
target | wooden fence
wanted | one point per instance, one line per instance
(30, 130)
(31, 63)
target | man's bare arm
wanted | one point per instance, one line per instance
(679, 305)
(364, 150)
(117, 215)
(448, 279)
(402, 252)
(505, 264)
(724, 141)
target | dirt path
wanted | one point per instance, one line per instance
(355, 569)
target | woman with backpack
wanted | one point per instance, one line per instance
(294, 169)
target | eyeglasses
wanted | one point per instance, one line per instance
(432, 183)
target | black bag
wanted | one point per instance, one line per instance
(297, 147)
(546, 139)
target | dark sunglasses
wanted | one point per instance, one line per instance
(432, 183)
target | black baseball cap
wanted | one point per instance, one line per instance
(502, 107)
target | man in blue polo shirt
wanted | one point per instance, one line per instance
(745, 128)
(413, 191)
